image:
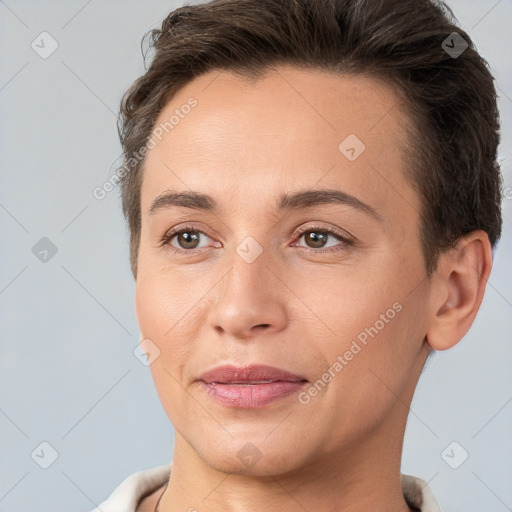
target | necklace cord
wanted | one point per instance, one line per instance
(159, 499)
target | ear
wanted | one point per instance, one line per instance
(458, 288)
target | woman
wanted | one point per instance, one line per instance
(312, 195)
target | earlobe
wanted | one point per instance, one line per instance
(458, 289)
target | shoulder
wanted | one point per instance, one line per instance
(417, 494)
(132, 492)
(149, 502)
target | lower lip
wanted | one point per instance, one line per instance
(251, 396)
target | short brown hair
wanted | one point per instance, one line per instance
(451, 98)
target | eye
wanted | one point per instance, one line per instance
(316, 238)
(187, 238)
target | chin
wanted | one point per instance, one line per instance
(252, 455)
(264, 467)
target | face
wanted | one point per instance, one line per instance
(288, 306)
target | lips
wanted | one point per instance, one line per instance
(250, 387)
(250, 374)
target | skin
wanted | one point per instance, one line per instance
(246, 144)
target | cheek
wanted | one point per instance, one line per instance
(370, 380)
(162, 305)
(163, 317)
(351, 304)
(378, 331)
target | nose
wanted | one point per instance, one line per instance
(250, 300)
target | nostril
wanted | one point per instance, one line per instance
(261, 327)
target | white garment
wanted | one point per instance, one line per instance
(127, 495)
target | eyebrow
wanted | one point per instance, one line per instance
(287, 201)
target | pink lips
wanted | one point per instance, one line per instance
(249, 387)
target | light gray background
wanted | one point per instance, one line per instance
(68, 375)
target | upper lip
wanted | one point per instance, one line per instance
(248, 374)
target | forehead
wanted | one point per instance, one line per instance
(289, 129)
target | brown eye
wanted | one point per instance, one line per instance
(184, 240)
(316, 239)
(323, 240)
(188, 239)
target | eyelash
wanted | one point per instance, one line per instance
(328, 231)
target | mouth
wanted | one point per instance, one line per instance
(250, 387)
